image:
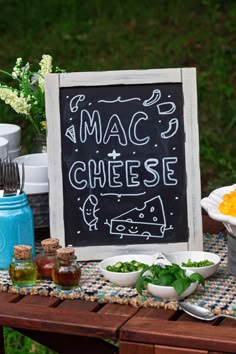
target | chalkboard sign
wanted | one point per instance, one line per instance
(123, 161)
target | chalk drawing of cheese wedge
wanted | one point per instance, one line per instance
(172, 129)
(148, 221)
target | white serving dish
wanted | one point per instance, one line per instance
(35, 188)
(36, 168)
(211, 205)
(169, 293)
(196, 256)
(3, 148)
(12, 133)
(124, 279)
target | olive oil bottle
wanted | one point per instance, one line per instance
(22, 270)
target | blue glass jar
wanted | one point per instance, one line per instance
(16, 226)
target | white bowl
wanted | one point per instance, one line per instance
(12, 154)
(211, 205)
(124, 279)
(169, 293)
(36, 168)
(12, 133)
(35, 188)
(3, 148)
(196, 256)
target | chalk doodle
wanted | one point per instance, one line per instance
(74, 102)
(155, 97)
(118, 99)
(166, 108)
(172, 129)
(70, 133)
(148, 221)
(89, 212)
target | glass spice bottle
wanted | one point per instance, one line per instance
(46, 260)
(22, 270)
(66, 272)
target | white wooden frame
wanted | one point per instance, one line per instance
(186, 76)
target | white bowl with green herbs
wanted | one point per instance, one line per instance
(204, 263)
(124, 270)
(168, 282)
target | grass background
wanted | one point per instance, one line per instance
(93, 35)
(137, 34)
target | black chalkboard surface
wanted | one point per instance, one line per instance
(121, 178)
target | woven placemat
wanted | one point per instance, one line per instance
(218, 294)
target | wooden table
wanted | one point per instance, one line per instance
(77, 326)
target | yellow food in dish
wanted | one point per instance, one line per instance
(228, 205)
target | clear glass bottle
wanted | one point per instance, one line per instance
(22, 270)
(47, 259)
(66, 273)
(39, 144)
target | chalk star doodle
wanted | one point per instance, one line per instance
(148, 221)
(113, 154)
(70, 133)
(89, 212)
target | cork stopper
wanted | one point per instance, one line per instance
(50, 244)
(66, 253)
(22, 251)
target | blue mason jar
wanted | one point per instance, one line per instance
(16, 226)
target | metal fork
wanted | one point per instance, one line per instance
(11, 182)
(1, 179)
(22, 178)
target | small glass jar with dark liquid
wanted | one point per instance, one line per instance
(66, 272)
(47, 259)
(22, 270)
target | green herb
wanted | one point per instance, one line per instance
(126, 267)
(167, 275)
(198, 264)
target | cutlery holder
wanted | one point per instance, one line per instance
(16, 226)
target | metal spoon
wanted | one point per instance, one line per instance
(200, 312)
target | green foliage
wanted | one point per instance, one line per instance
(15, 343)
(99, 35)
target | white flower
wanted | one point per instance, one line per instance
(45, 68)
(16, 72)
(18, 102)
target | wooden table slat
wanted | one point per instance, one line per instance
(40, 301)
(7, 297)
(156, 313)
(118, 310)
(135, 348)
(181, 334)
(61, 321)
(160, 349)
(79, 305)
